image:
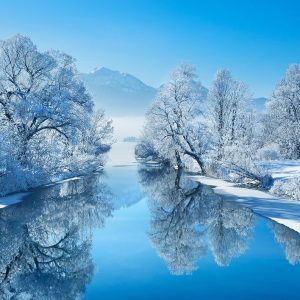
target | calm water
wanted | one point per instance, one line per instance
(134, 233)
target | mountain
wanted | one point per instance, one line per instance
(123, 95)
(119, 94)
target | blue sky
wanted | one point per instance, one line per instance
(254, 39)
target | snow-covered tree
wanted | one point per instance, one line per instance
(282, 123)
(174, 123)
(227, 111)
(146, 151)
(233, 128)
(45, 112)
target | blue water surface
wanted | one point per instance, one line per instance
(138, 233)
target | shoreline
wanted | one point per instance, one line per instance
(280, 210)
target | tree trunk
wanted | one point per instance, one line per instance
(178, 176)
(233, 119)
(22, 157)
(178, 160)
(197, 159)
(201, 164)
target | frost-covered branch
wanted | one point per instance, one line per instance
(47, 117)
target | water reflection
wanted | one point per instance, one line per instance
(174, 208)
(45, 242)
(188, 219)
(290, 241)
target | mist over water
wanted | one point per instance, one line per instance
(121, 154)
(127, 126)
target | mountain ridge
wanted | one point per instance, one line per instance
(118, 93)
(122, 94)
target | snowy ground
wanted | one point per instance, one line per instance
(283, 211)
(283, 169)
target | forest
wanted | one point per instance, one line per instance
(50, 129)
(219, 132)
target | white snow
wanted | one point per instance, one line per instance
(283, 169)
(283, 211)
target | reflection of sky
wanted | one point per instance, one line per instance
(128, 267)
(124, 185)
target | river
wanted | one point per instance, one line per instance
(133, 232)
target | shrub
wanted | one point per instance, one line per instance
(269, 152)
(287, 188)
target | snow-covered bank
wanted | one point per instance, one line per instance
(286, 174)
(283, 169)
(121, 154)
(283, 211)
(19, 196)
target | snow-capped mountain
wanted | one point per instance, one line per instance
(119, 94)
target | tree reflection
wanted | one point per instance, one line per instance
(290, 241)
(188, 218)
(172, 231)
(45, 241)
(229, 230)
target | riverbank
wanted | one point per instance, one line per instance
(281, 210)
(121, 154)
